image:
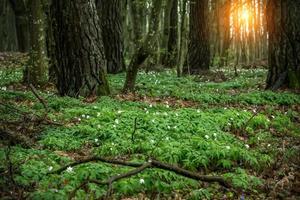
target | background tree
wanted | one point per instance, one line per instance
(199, 48)
(284, 44)
(110, 13)
(79, 53)
(145, 49)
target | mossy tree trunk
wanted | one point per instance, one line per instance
(146, 48)
(284, 44)
(199, 48)
(79, 53)
(110, 13)
(36, 71)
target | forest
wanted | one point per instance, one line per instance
(149, 99)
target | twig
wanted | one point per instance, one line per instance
(42, 100)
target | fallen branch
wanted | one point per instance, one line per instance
(42, 100)
(139, 168)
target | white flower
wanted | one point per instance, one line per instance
(206, 136)
(258, 138)
(168, 127)
(254, 110)
(98, 126)
(152, 120)
(152, 141)
(273, 116)
(119, 111)
(269, 145)
(117, 121)
(247, 146)
(69, 169)
(175, 127)
(96, 140)
(87, 116)
(229, 124)
(238, 114)
(167, 106)
(198, 111)
(227, 147)
(166, 114)
(150, 105)
(50, 168)
(142, 181)
(98, 114)
(3, 88)
(231, 118)
(147, 112)
(95, 107)
(83, 116)
(167, 138)
(225, 108)
(215, 135)
(111, 148)
(113, 144)
(79, 119)
(114, 126)
(245, 110)
(176, 114)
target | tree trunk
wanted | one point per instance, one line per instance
(110, 13)
(36, 72)
(8, 36)
(284, 44)
(226, 11)
(79, 52)
(199, 48)
(170, 34)
(22, 25)
(145, 50)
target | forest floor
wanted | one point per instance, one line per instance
(228, 127)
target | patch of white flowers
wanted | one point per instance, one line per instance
(69, 169)
(142, 181)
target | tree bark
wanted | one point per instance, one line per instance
(284, 44)
(36, 72)
(110, 13)
(79, 52)
(199, 48)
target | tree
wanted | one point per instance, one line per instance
(36, 72)
(110, 13)
(284, 44)
(8, 36)
(79, 57)
(22, 24)
(199, 48)
(169, 43)
(145, 49)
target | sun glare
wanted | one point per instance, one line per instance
(245, 15)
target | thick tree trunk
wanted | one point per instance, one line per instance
(110, 13)
(145, 49)
(36, 72)
(79, 52)
(284, 44)
(199, 48)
